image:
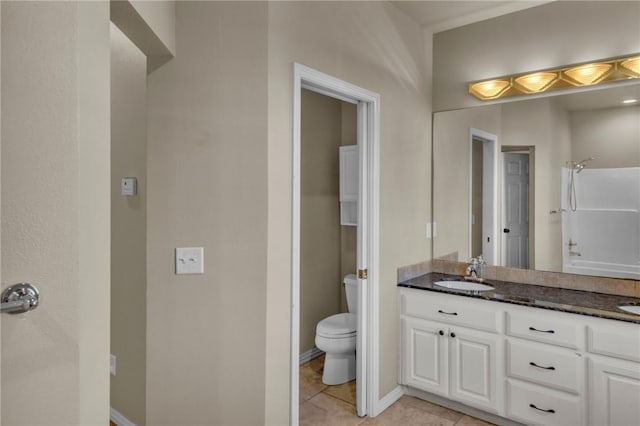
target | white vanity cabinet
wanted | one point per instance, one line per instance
(545, 370)
(531, 365)
(449, 359)
(614, 373)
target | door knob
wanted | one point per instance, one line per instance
(19, 298)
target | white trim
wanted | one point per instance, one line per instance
(116, 417)
(308, 78)
(388, 400)
(309, 355)
(492, 140)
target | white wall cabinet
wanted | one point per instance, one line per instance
(531, 365)
(349, 184)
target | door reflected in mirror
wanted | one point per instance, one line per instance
(525, 198)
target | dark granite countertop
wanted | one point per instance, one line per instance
(557, 299)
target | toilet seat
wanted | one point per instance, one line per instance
(338, 326)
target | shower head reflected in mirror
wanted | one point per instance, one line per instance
(580, 166)
(576, 166)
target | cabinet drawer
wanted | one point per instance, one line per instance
(535, 405)
(615, 339)
(544, 326)
(457, 310)
(545, 365)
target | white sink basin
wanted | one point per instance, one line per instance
(464, 285)
(634, 309)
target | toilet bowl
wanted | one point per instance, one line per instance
(336, 336)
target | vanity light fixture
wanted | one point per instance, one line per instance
(604, 71)
(630, 66)
(491, 89)
(536, 82)
(585, 75)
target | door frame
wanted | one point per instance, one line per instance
(489, 191)
(368, 232)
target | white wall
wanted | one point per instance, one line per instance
(554, 34)
(55, 218)
(375, 46)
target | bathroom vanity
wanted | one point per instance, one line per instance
(535, 355)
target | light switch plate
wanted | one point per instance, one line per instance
(189, 260)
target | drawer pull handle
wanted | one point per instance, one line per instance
(441, 333)
(541, 331)
(551, 410)
(440, 311)
(540, 366)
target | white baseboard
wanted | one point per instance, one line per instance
(119, 419)
(387, 401)
(309, 355)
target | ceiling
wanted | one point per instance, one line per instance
(439, 16)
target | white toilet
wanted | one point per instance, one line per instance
(336, 336)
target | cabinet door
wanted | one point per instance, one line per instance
(614, 392)
(349, 178)
(424, 358)
(473, 357)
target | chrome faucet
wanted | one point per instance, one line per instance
(474, 270)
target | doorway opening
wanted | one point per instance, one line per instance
(483, 196)
(366, 208)
(517, 203)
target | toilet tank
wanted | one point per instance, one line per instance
(351, 289)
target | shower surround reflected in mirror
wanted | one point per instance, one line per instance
(591, 135)
(600, 221)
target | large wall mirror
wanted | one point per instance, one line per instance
(549, 183)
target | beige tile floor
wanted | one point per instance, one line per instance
(335, 405)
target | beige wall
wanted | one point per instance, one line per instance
(610, 135)
(160, 17)
(375, 46)
(320, 258)
(554, 34)
(207, 187)
(538, 123)
(451, 174)
(128, 227)
(348, 234)
(150, 25)
(55, 211)
(328, 250)
(532, 123)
